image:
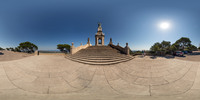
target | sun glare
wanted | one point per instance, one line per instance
(164, 25)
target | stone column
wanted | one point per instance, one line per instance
(36, 52)
(102, 41)
(88, 42)
(127, 49)
(71, 48)
(96, 40)
(110, 41)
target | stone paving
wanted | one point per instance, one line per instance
(54, 77)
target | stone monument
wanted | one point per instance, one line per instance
(99, 37)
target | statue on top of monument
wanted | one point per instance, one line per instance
(99, 27)
(99, 24)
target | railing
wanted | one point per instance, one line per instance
(124, 50)
(76, 49)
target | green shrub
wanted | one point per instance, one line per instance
(1, 48)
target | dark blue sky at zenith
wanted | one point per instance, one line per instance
(47, 23)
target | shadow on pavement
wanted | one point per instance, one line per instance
(141, 56)
(196, 53)
(181, 56)
(153, 57)
(1, 53)
(167, 57)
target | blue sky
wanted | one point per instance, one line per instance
(47, 23)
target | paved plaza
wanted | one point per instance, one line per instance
(51, 77)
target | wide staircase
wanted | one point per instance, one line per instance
(99, 55)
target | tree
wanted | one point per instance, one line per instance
(183, 43)
(12, 49)
(192, 48)
(64, 47)
(165, 45)
(17, 49)
(156, 47)
(174, 47)
(161, 48)
(27, 47)
(199, 48)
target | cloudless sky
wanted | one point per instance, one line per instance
(47, 23)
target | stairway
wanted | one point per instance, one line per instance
(99, 55)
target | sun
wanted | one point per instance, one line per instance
(164, 25)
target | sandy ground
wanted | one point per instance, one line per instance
(10, 55)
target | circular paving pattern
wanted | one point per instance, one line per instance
(140, 76)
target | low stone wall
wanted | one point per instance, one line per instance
(76, 49)
(60, 54)
(48, 53)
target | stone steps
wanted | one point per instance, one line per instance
(99, 55)
(100, 62)
(99, 59)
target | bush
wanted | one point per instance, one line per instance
(1, 48)
(12, 49)
(137, 53)
(17, 49)
(8, 49)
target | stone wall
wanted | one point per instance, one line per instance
(124, 50)
(76, 49)
(59, 54)
(37, 53)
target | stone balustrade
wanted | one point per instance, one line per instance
(125, 50)
(74, 49)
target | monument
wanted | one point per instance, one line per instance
(99, 46)
(99, 37)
